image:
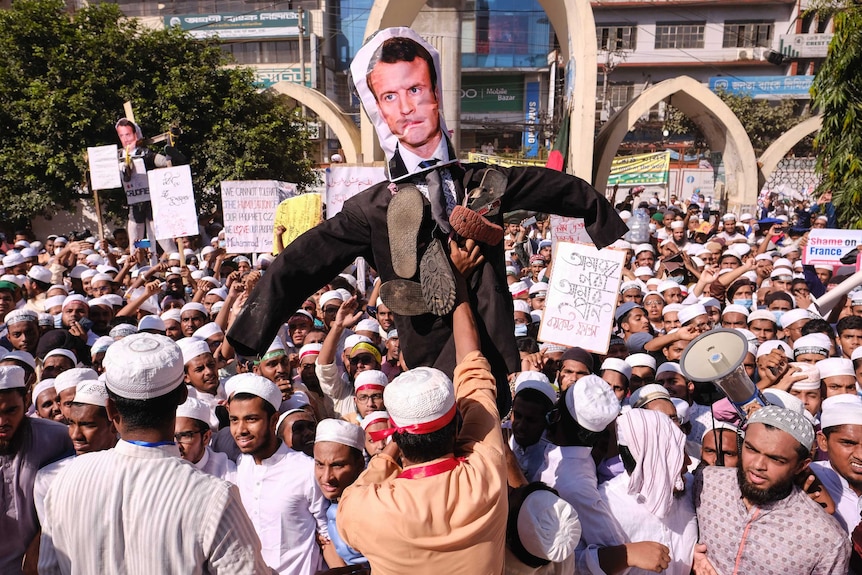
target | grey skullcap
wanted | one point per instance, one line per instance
(786, 420)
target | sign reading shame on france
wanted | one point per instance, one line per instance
(249, 210)
(828, 246)
(582, 296)
(173, 200)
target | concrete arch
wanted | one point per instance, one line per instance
(768, 161)
(330, 113)
(719, 124)
(575, 28)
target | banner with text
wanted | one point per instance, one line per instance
(640, 170)
(345, 181)
(137, 187)
(582, 297)
(827, 246)
(474, 157)
(298, 215)
(249, 210)
(102, 161)
(571, 230)
(173, 199)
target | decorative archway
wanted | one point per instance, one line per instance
(329, 112)
(768, 160)
(719, 124)
(576, 31)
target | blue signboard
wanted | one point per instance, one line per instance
(763, 86)
(531, 135)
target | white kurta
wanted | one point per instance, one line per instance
(218, 465)
(286, 507)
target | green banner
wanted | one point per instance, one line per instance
(236, 26)
(492, 94)
(640, 170)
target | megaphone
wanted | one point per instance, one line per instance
(716, 357)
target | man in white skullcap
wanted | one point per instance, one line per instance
(201, 373)
(192, 433)
(338, 461)
(46, 402)
(66, 384)
(193, 316)
(26, 445)
(296, 427)
(617, 373)
(184, 521)
(652, 498)
(808, 390)
(173, 328)
(274, 365)
(534, 398)
(541, 533)
(729, 233)
(368, 389)
(778, 528)
(837, 376)
(720, 445)
(22, 330)
(643, 369)
(276, 483)
(374, 425)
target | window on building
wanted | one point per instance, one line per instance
(611, 37)
(748, 34)
(679, 34)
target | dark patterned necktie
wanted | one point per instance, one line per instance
(436, 195)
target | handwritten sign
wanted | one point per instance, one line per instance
(826, 246)
(249, 211)
(344, 182)
(298, 215)
(137, 188)
(103, 167)
(582, 297)
(571, 230)
(173, 198)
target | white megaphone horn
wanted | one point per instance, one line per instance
(830, 299)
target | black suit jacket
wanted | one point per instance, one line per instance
(360, 229)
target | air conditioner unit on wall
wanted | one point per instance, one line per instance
(744, 54)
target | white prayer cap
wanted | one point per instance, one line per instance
(374, 417)
(21, 315)
(331, 295)
(761, 314)
(535, 380)
(621, 245)
(763, 257)
(101, 344)
(625, 215)
(781, 398)
(91, 392)
(370, 379)
(310, 349)
(671, 307)
(650, 392)
(770, 344)
(643, 248)
(100, 301)
(538, 288)
(781, 273)
(193, 306)
(834, 366)
(728, 217)
(669, 366)
(298, 400)
(69, 299)
(72, 378)
(842, 409)
(521, 306)
(644, 271)
(143, 366)
(641, 360)
(367, 325)
(682, 408)
(788, 249)
(88, 273)
(716, 424)
(345, 295)
(208, 330)
(101, 278)
(618, 365)
(816, 343)
(739, 249)
(857, 353)
(77, 271)
(173, 256)
(194, 408)
(305, 314)
(354, 338)
(653, 283)
(209, 279)
(745, 217)
(677, 225)
(106, 269)
(592, 403)
(113, 299)
(41, 387)
(707, 301)
(13, 259)
(735, 308)
(631, 284)
(786, 420)
(666, 285)
(255, 385)
(12, 377)
(172, 314)
(812, 377)
(40, 274)
(548, 526)
(519, 288)
(828, 268)
(421, 400)
(56, 300)
(192, 347)
(340, 431)
(690, 312)
(220, 293)
(123, 330)
(62, 352)
(351, 281)
(152, 322)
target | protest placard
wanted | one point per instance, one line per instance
(582, 296)
(828, 246)
(298, 215)
(137, 187)
(249, 212)
(173, 199)
(571, 230)
(104, 171)
(345, 181)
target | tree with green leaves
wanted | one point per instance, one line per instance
(63, 81)
(837, 92)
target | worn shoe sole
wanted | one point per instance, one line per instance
(485, 198)
(404, 217)
(470, 225)
(438, 283)
(403, 297)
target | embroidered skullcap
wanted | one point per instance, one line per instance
(537, 258)
(518, 289)
(421, 400)
(690, 312)
(193, 306)
(310, 349)
(172, 314)
(371, 325)
(554, 347)
(297, 400)
(618, 365)
(592, 403)
(21, 315)
(192, 347)
(535, 380)
(194, 408)
(548, 526)
(45, 320)
(641, 360)
(123, 330)
(834, 366)
(143, 366)
(12, 377)
(522, 306)
(208, 330)
(786, 420)
(631, 284)
(254, 385)
(72, 378)
(331, 295)
(152, 322)
(842, 409)
(812, 377)
(69, 299)
(374, 417)
(370, 379)
(91, 392)
(40, 274)
(101, 345)
(815, 343)
(650, 392)
(41, 388)
(355, 338)
(393, 334)
(340, 431)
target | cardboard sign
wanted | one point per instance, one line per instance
(173, 199)
(827, 246)
(138, 187)
(298, 215)
(249, 212)
(582, 297)
(102, 161)
(344, 182)
(572, 230)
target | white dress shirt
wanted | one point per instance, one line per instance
(286, 507)
(217, 464)
(335, 383)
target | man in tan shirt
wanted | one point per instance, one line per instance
(445, 511)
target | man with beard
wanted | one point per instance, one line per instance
(274, 365)
(755, 519)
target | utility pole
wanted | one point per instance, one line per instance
(301, 12)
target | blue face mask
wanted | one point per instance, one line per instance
(678, 279)
(778, 313)
(746, 303)
(520, 330)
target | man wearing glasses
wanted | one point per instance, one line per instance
(192, 433)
